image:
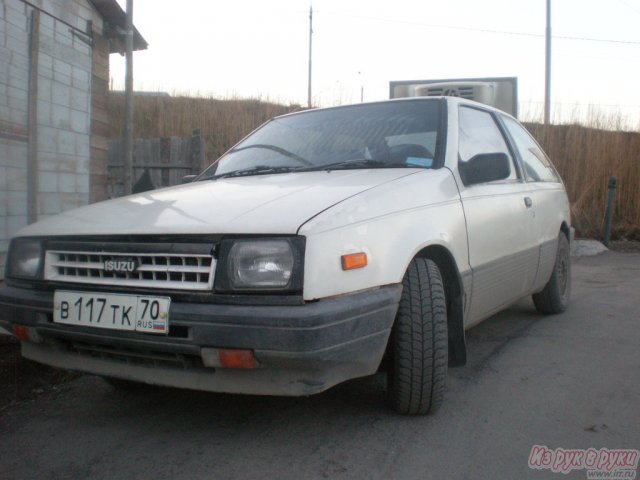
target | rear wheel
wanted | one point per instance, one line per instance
(554, 298)
(418, 345)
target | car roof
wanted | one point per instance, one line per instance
(451, 102)
(360, 104)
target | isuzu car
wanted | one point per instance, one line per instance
(327, 245)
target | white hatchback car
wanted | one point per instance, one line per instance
(325, 245)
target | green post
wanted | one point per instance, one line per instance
(613, 182)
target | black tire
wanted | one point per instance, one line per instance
(418, 346)
(554, 298)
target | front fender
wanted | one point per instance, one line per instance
(391, 224)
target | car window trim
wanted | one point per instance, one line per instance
(441, 136)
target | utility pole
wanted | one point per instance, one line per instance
(310, 50)
(547, 80)
(128, 89)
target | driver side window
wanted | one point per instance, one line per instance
(479, 134)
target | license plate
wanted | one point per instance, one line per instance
(113, 311)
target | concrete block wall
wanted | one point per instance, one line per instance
(64, 107)
(14, 94)
(73, 12)
(65, 78)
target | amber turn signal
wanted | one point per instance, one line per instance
(21, 332)
(354, 260)
(228, 358)
(237, 359)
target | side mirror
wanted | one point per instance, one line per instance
(188, 178)
(485, 167)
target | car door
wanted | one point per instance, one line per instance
(503, 251)
(547, 193)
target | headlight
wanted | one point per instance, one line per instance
(25, 256)
(260, 264)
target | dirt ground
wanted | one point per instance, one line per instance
(566, 381)
(22, 379)
(625, 246)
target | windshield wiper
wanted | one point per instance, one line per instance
(277, 149)
(257, 170)
(352, 164)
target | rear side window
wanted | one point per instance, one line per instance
(537, 167)
(479, 133)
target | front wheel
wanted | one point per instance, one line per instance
(554, 298)
(418, 345)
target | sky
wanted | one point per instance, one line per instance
(260, 48)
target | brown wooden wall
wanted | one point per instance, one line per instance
(165, 160)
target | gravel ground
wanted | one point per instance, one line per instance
(565, 381)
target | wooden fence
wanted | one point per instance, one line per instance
(157, 162)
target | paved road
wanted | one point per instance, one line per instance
(568, 381)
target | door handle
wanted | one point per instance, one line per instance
(528, 202)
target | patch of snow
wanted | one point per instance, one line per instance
(587, 248)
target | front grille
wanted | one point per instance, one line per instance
(176, 271)
(137, 357)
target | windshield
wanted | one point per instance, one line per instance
(382, 135)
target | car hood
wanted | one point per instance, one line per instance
(254, 204)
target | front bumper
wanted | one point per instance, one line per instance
(300, 349)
